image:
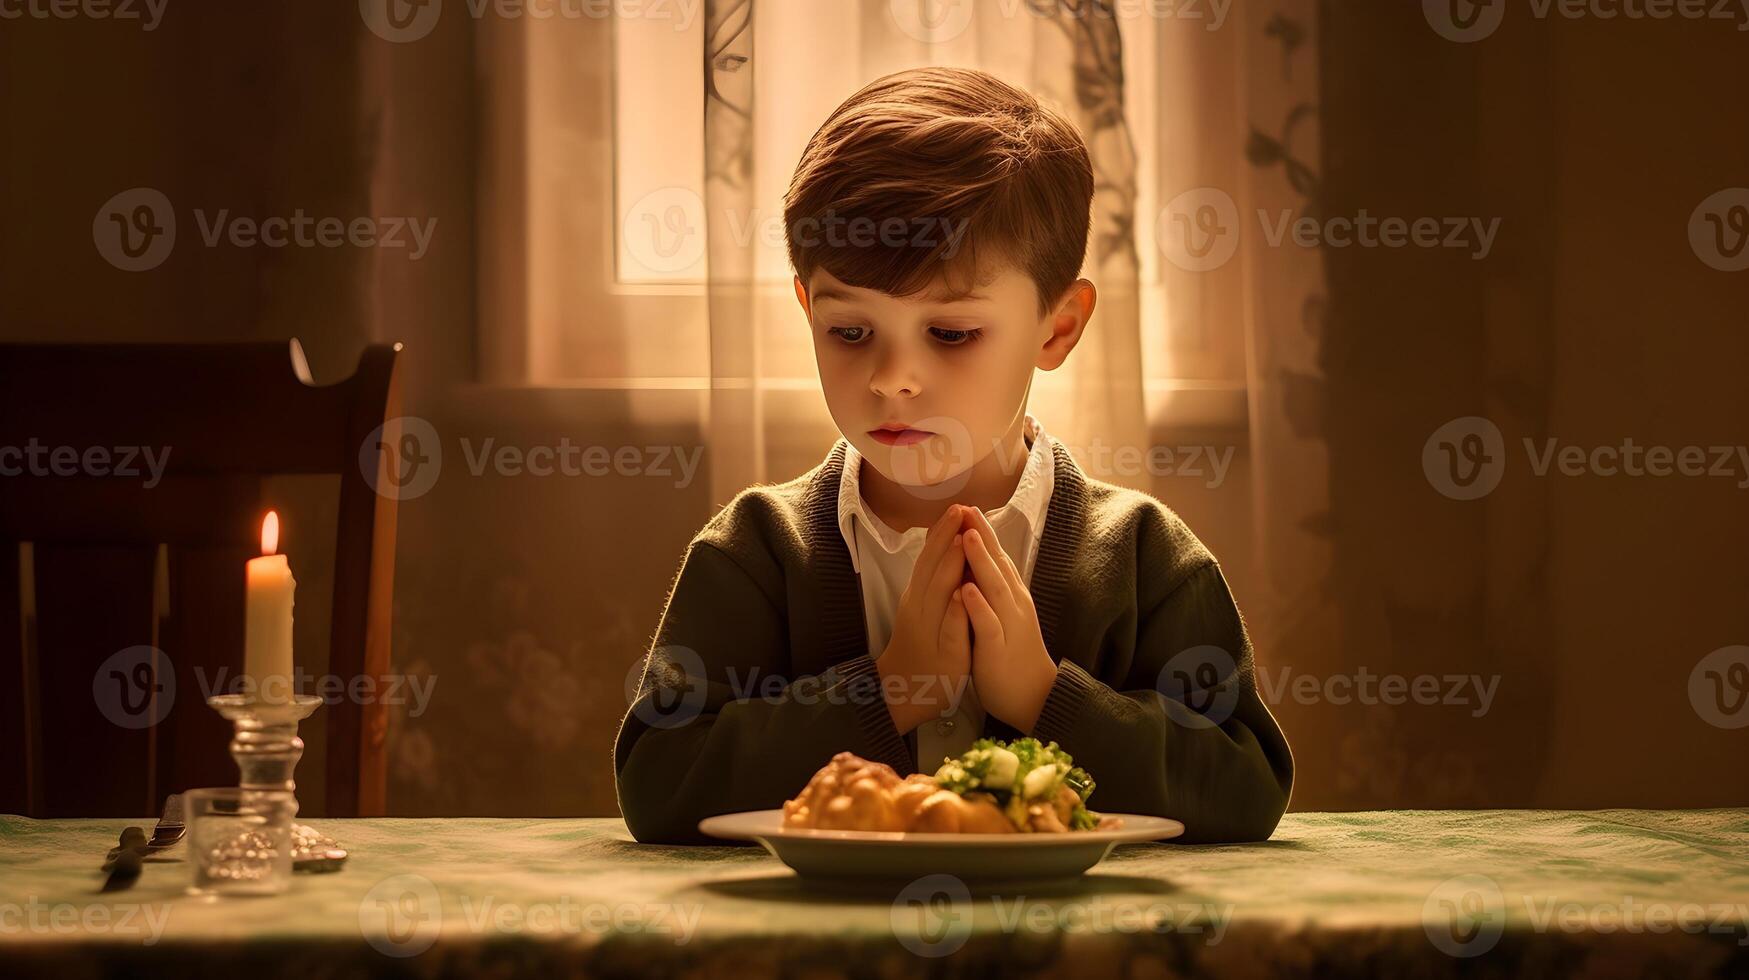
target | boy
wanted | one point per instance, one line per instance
(948, 572)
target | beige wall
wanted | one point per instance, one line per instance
(1593, 598)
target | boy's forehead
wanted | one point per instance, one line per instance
(822, 284)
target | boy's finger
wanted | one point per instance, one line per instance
(936, 543)
(981, 521)
(991, 582)
(947, 575)
(955, 636)
(985, 623)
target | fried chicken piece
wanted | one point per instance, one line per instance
(848, 793)
(910, 795)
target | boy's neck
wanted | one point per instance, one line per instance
(989, 487)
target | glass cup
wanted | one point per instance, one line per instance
(239, 840)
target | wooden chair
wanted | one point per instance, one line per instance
(97, 563)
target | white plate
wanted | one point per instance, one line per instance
(862, 854)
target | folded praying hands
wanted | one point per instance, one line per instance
(948, 629)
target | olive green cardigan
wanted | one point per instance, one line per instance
(760, 670)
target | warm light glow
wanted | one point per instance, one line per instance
(270, 533)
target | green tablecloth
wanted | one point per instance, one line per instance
(1615, 892)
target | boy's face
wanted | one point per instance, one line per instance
(954, 373)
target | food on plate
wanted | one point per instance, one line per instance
(993, 788)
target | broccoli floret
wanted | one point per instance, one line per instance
(987, 765)
(1014, 773)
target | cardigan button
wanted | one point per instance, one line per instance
(944, 726)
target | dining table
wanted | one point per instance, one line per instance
(1612, 893)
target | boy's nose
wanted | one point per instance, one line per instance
(894, 379)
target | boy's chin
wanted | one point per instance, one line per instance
(917, 472)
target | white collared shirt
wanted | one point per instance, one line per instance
(883, 559)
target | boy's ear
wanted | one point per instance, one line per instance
(1067, 322)
(802, 295)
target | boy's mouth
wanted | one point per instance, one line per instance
(898, 435)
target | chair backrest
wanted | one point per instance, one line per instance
(131, 481)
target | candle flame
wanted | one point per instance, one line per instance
(270, 533)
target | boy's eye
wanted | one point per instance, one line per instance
(953, 337)
(949, 336)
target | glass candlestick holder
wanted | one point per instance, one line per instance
(267, 748)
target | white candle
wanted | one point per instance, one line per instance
(267, 641)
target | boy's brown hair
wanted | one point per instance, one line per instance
(968, 163)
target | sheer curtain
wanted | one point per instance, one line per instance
(771, 65)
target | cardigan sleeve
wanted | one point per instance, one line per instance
(1183, 733)
(719, 725)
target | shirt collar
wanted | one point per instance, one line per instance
(1029, 501)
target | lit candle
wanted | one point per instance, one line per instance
(267, 641)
